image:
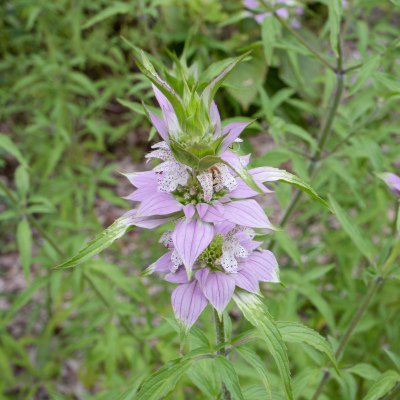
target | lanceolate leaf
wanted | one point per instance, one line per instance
(353, 230)
(164, 380)
(24, 240)
(383, 385)
(168, 93)
(210, 91)
(229, 376)
(256, 312)
(8, 145)
(102, 241)
(295, 333)
(277, 175)
(252, 358)
(182, 155)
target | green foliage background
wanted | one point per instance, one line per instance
(98, 330)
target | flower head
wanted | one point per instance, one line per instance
(230, 259)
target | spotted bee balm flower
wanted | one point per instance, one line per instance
(229, 260)
(205, 188)
(207, 191)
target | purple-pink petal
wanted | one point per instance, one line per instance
(152, 221)
(267, 174)
(243, 191)
(219, 289)
(234, 129)
(202, 209)
(143, 192)
(201, 275)
(224, 227)
(189, 211)
(159, 204)
(162, 100)
(139, 179)
(160, 125)
(264, 265)
(247, 213)
(393, 182)
(247, 280)
(180, 276)
(190, 239)
(188, 302)
(164, 263)
(214, 214)
(260, 17)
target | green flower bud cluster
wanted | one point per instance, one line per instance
(193, 193)
(213, 252)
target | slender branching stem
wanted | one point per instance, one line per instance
(350, 135)
(323, 139)
(360, 311)
(220, 338)
(298, 37)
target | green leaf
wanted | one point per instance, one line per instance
(138, 108)
(199, 353)
(383, 385)
(256, 312)
(164, 380)
(209, 161)
(22, 181)
(303, 134)
(24, 240)
(196, 336)
(25, 296)
(101, 242)
(277, 175)
(335, 10)
(255, 361)
(353, 230)
(319, 302)
(296, 333)
(114, 273)
(266, 103)
(365, 73)
(205, 376)
(182, 155)
(200, 150)
(56, 396)
(394, 357)
(129, 394)
(366, 371)
(229, 376)
(169, 93)
(10, 147)
(83, 81)
(268, 35)
(210, 91)
(116, 8)
(241, 171)
(287, 244)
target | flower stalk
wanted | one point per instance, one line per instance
(221, 338)
(359, 313)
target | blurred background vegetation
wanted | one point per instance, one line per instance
(97, 330)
